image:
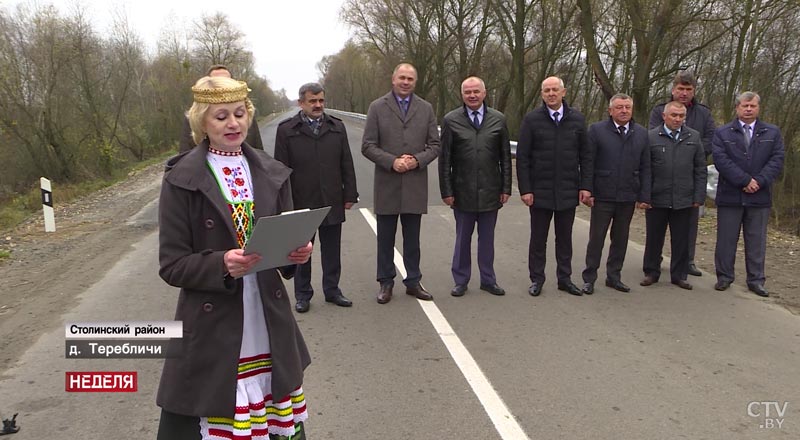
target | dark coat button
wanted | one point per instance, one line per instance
(278, 293)
(208, 307)
(209, 223)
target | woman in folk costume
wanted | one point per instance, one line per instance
(238, 371)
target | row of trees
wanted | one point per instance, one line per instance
(599, 47)
(77, 104)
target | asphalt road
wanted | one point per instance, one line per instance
(656, 363)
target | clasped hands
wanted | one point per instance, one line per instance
(751, 187)
(238, 264)
(405, 163)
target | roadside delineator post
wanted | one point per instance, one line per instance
(47, 206)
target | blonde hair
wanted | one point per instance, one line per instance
(218, 89)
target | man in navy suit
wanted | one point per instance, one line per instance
(748, 154)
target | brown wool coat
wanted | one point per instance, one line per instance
(387, 136)
(195, 232)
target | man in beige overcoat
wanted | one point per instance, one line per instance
(401, 138)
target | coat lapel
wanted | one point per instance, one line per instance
(391, 102)
(206, 183)
(412, 107)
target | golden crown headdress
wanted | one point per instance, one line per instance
(221, 95)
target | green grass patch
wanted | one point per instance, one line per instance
(21, 207)
(4, 254)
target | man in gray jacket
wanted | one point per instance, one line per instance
(475, 180)
(678, 168)
(698, 117)
(401, 138)
(619, 173)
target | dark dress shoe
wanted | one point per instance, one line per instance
(570, 288)
(683, 284)
(722, 285)
(494, 289)
(419, 292)
(758, 290)
(535, 289)
(648, 281)
(459, 290)
(588, 288)
(302, 305)
(340, 300)
(385, 295)
(693, 270)
(618, 285)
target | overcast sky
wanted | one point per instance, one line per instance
(287, 37)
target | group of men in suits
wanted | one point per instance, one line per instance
(613, 167)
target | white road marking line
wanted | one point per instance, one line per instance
(504, 422)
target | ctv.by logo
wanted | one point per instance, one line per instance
(772, 412)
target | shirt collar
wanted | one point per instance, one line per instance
(308, 120)
(399, 99)
(560, 112)
(742, 124)
(669, 132)
(480, 110)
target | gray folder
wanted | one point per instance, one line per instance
(276, 236)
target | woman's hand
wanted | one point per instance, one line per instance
(301, 254)
(237, 263)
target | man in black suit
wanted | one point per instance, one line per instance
(620, 176)
(552, 163)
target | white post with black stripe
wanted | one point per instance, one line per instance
(47, 206)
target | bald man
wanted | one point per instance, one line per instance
(553, 160)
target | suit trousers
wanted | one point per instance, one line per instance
(753, 221)
(657, 220)
(693, 226)
(330, 244)
(462, 252)
(387, 228)
(537, 248)
(618, 215)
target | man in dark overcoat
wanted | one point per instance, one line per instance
(698, 117)
(314, 145)
(748, 154)
(620, 176)
(402, 139)
(678, 170)
(552, 163)
(475, 180)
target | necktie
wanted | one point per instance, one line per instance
(621, 129)
(747, 136)
(314, 126)
(404, 105)
(475, 121)
(675, 135)
(555, 117)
